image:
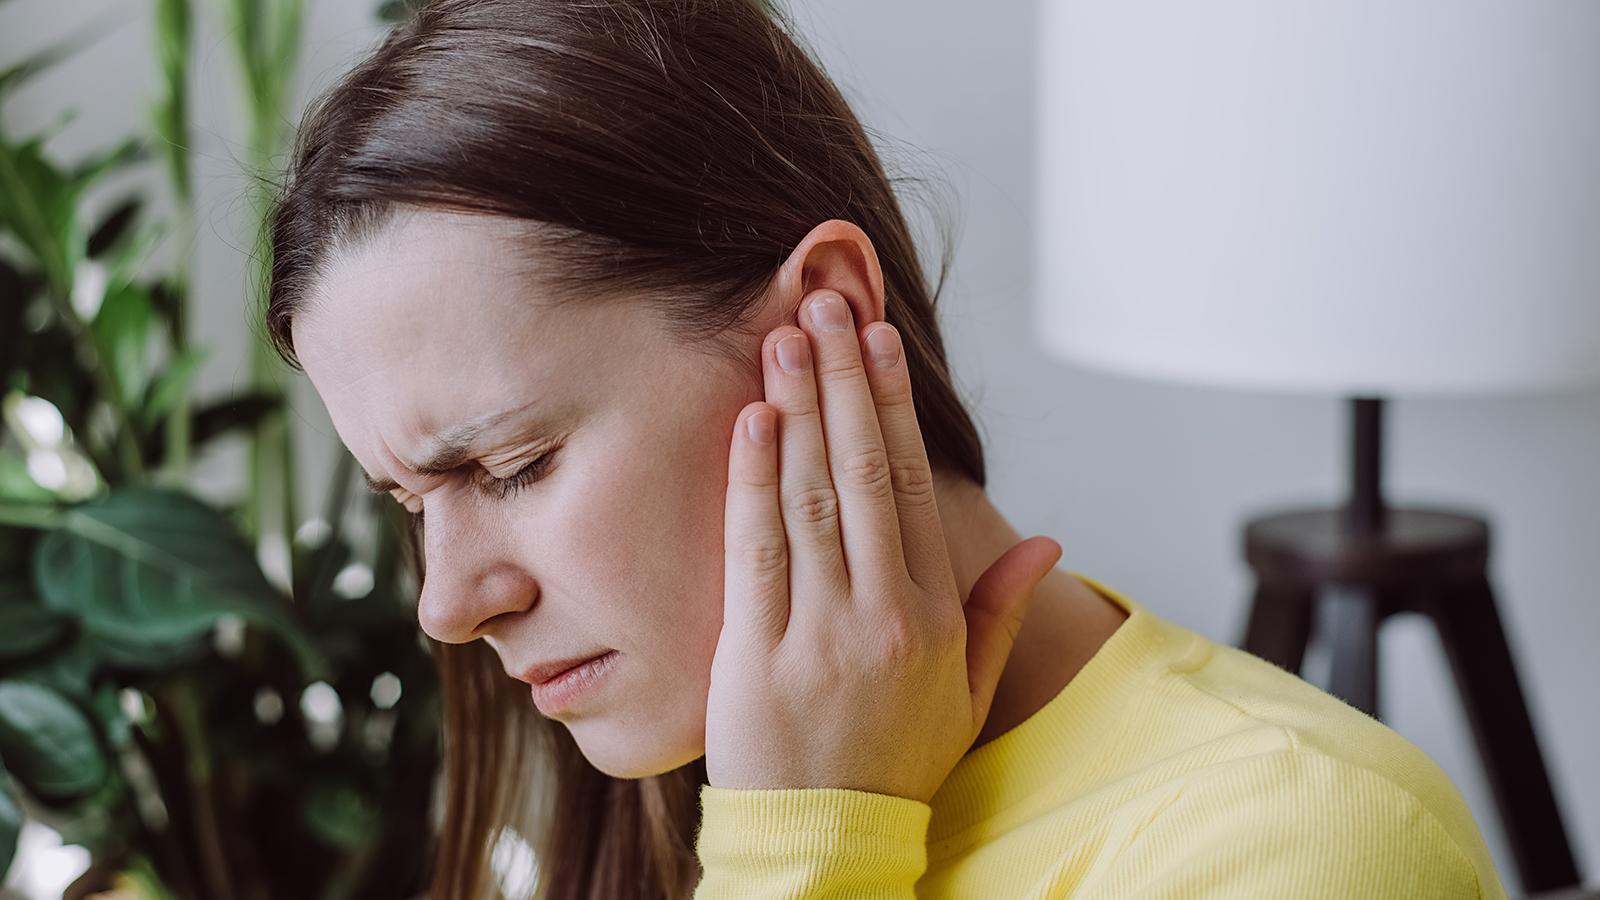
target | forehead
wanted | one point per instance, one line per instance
(446, 273)
(433, 322)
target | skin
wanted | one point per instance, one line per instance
(621, 544)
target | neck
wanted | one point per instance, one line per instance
(1066, 622)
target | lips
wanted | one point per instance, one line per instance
(540, 673)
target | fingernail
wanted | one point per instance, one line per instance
(792, 352)
(883, 346)
(760, 425)
(829, 314)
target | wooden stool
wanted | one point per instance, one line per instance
(1341, 572)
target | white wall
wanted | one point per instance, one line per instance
(1145, 485)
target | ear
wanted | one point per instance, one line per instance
(836, 255)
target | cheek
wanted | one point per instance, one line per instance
(647, 524)
(644, 512)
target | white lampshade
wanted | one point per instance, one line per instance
(1367, 197)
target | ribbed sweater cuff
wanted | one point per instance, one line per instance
(810, 842)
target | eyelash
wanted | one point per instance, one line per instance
(501, 488)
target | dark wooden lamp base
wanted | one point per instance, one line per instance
(1340, 572)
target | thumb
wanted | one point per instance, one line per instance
(995, 610)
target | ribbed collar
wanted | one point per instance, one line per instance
(1068, 742)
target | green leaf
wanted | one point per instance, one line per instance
(93, 819)
(170, 387)
(146, 657)
(16, 485)
(37, 204)
(340, 815)
(72, 667)
(26, 629)
(70, 671)
(10, 825)
(127, 255)
(47, 742)
(122, 332)
(130, 258)
(107, 706)
(154, 567)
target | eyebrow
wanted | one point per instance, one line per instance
(450, 448)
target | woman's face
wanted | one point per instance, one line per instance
(617, 545)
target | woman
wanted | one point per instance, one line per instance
(552, 266)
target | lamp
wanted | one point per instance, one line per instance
(1358, 198)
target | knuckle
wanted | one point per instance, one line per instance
(913, 481)
(755, 481)
(840, 368)
(765, 556)
(799, 411)
(868, 472)
(815, 506)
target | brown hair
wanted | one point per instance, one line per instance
(670, 150)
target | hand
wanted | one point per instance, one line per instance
(847, 658)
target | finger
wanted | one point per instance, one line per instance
(916, 509)
(810, 507)
(756, 568)
(868, 527)
(995, 610)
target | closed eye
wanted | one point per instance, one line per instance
(502, 488)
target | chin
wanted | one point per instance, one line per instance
(635, 755)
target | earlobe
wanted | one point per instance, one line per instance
(835, 255)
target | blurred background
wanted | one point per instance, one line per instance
(1145, 483)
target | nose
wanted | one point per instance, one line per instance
(468, 579)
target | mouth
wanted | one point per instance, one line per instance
(545, 672)
(568, 690)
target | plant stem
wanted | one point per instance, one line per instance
(177, 457)
(170, 859)
(267, 43)
(44, 518)
(184, 703)
(174, 30)
(272, 453)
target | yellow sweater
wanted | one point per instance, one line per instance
(1170, 766)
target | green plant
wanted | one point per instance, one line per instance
(206, 728)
